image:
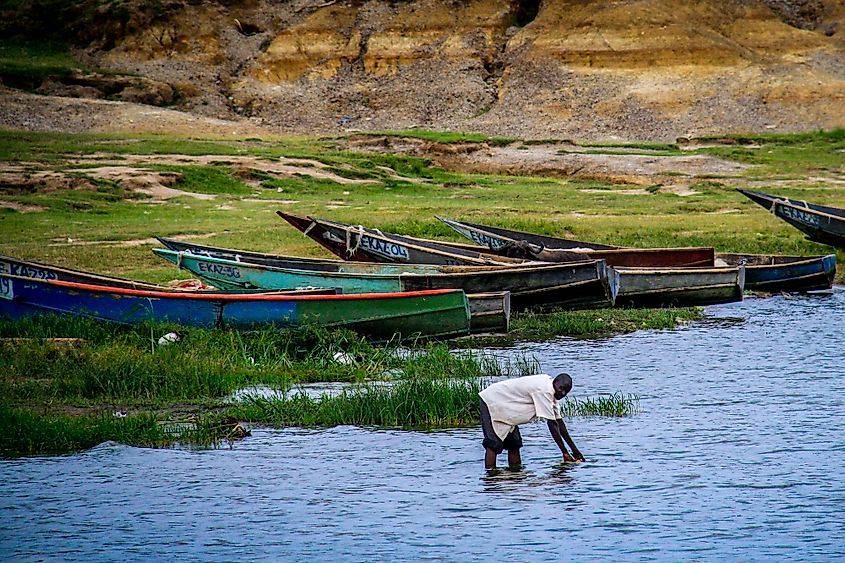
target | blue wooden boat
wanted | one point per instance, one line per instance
(382, 316)
(765, 273)
(775, 274)
(820, 223)
(538, 286)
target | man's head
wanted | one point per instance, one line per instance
(562, 385)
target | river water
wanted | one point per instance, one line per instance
(738, 453)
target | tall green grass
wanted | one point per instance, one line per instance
(28, 433)
(598, 322)
(127, 365)
(409, 403)
(617, 404)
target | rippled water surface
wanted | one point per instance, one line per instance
(738, 453)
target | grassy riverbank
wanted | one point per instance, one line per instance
(93, 202)
(229, 191)
(69, 384)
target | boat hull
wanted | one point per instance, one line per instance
(380, 316)
(551, 249)
(677, 287)
(490, 312)
(541, 286)
(356, 243)
(820, 223)
(775, 274)
(766, 273)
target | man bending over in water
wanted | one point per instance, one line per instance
(508, 403)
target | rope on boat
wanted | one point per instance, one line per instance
(775, 202)
(179, 259)
(350, 250)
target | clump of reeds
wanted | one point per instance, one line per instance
(598, 322)
(127, 365)
(617, 404)
(408, 403)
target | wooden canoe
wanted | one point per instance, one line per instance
(765, 273)
(820, 223)
(318, 264)
(775, 274)
(546, 248)
(677, 287)
(36, 270)
(490, 312)
(428, 314)
(351, 242)
(537, 286)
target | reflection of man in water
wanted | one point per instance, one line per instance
(506, 404)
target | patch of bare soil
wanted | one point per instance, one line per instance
(242, 165)
(560, 160)
(21, 207)
(31, 112)
(129, 172)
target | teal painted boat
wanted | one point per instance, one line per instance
(537, 286)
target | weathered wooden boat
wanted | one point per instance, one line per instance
(537, 286)
(677, 287)
(489, 312)
(775, 274)
(335, 236)
(769, 273)
(29, 269)
(545, 248)
(239, 255)
(371, 245)
(436, 313)
(820, 223)
(316, 264)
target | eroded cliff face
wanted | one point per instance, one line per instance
(603, 69)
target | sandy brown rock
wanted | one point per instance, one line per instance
(585, 70)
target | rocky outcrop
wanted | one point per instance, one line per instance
(599, 69)
(124, 88)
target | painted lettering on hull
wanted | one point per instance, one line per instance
(219, 270)
(391, 250)
(26, 271)
(800, 216)
(482, 239)
(6, 291)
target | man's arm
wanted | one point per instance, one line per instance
(554, 430)
(565, 434)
